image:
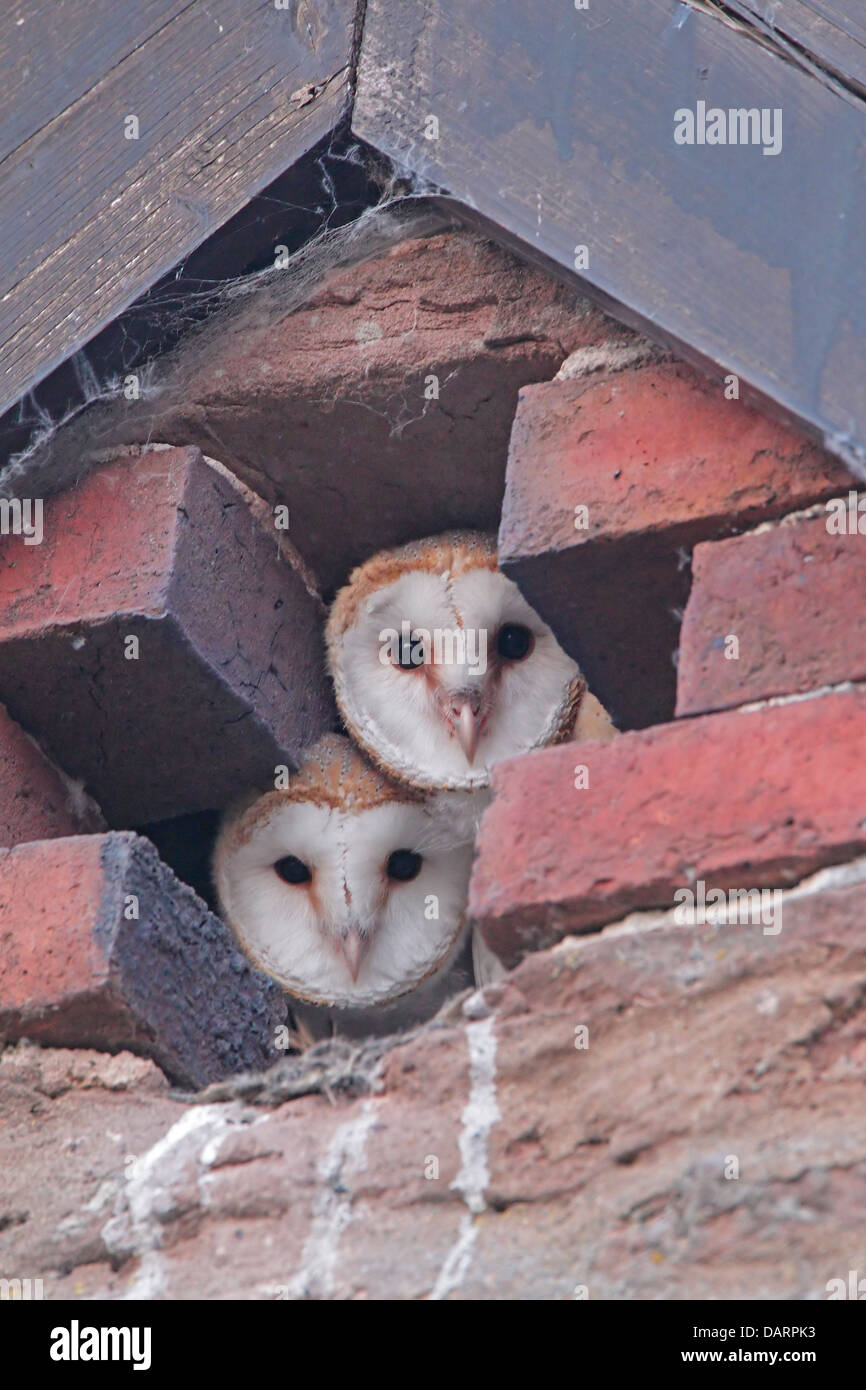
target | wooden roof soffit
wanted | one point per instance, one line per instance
(559, 127)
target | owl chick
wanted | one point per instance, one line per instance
(441, 668)
(346, 888)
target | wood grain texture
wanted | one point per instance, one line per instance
(53, 51)
(833, 32)
(556, 129)
(228, 94)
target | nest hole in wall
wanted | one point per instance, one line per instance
(362, 461)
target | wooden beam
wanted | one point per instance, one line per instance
(228, 94)
(326, 189)
(54, 51)
(556, 127)
(831, 32)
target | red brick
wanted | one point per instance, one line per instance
(740, 800)
(37, 802)
(230, 677)
(607, 1165)
(77, 971)
(662, 461)
(792, 595)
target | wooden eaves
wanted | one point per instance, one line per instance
(553, 130)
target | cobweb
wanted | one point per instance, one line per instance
(63, 445)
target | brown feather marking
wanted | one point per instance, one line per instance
(453, 553)
(332, 773)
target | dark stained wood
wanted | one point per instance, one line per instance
(556, 128)
(228, 93)
(53, 51)
(833, 32)
(325, 189)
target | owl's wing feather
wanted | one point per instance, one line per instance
(486, 966)
(593, 722)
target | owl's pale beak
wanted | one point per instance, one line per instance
(468, 730)
(463, 709)
(354, 948)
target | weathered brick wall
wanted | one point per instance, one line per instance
(648, 1105)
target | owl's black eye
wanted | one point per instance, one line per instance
(514, 642)
(403, 865)
(293, 870)
(410, 653)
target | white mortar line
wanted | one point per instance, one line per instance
(457, 1261)
(610, 356)
(842, 875)
(480, 1114)
(345, 1157)
(841, 688)
(143, 1188)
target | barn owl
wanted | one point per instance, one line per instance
(441, 668)
(345, 887)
